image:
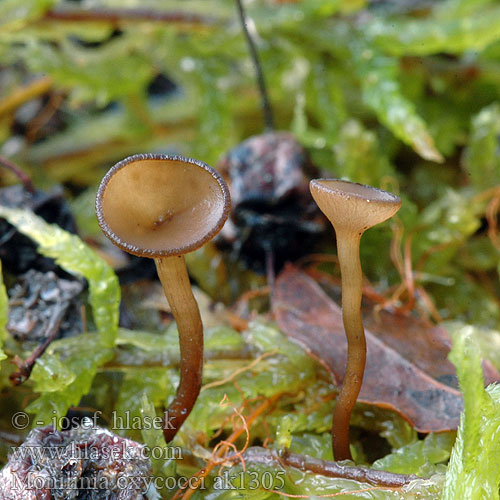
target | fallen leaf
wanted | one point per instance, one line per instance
(427, 347)
(392, 380)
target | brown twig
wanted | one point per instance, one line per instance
(327, 468)
(429, 305)
(403, 263)
(25, 367)
(18, 172)
(116, 16)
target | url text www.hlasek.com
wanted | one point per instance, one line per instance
(74, 451)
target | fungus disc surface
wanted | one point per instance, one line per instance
(159, 206)
(353, 206)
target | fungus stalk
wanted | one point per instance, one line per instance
(351, 275)
(352, 209)
(177, 288)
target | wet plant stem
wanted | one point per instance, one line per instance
(177, 288)
(350, 269)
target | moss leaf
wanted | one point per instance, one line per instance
(473, 472)
(481, 158)
(382, 93)
(14, 15)
(453, 34)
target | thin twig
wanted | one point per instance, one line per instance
(19, 173)
(25, 367)
(266, 105)
(328, 468)
(117, 15)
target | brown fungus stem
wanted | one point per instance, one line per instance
(352, 209)
(163, 207)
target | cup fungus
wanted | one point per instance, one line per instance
(352, 209)
(162, 207)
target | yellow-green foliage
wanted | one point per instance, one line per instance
(473, 472)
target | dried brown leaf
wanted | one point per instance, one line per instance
(402, 356)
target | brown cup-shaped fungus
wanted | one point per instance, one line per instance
(352, 209)
(162, 207)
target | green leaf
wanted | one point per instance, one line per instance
(450, 220)
(437, 34)
(4, 306)
(105, 73)
(50, 374)
(166, 344)
(382, 93)
(83, 354)
(453, 8)
(152, 436)
(419, 457)
(358, 156)
(158, 384)
(473, 472)
(216, 130)
(14, 15)
(487, 339)
(271, 375)
(481, 159)
(287, 15)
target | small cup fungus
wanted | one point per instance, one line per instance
(351, 208)
(162, 207)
